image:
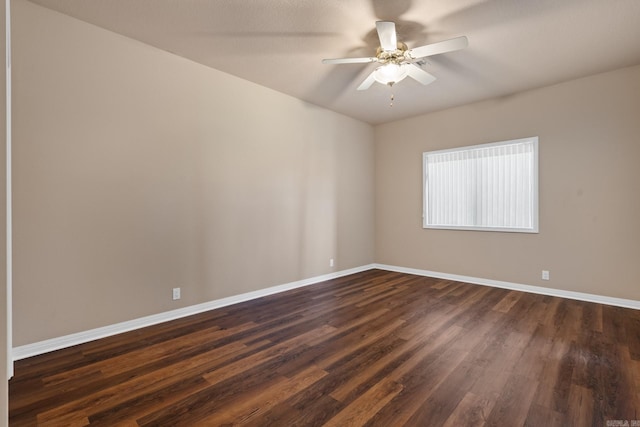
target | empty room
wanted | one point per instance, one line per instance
(310, 213)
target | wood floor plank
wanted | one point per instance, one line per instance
(447, 396)
(472, 410)
(375, 348)
(358, 412)
(513, 403)
(358, 341)
(265, 355)
(580, 408)
(507, 302)
(419, 382)
(253, 406)
(632, 332)
(373, 368)
(152, 382)
(542, 416)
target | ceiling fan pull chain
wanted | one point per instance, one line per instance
(391, 98)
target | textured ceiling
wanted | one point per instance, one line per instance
(514, 45)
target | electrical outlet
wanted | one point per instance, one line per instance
(545, 274)
(176, 293)
(331, 262)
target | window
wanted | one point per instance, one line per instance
(491, 187)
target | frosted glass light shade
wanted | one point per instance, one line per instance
(390, 73)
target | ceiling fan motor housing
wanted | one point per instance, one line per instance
(392, 56)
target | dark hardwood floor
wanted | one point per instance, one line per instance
(375, 348)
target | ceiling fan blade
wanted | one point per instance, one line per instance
(387, 35)
(367, 82)
(419, 74)
(439, 47)
(349, 60)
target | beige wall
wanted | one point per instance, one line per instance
(589, 236)
(137, 171)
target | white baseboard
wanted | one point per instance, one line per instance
(581, 296)
(52, 344)
(46, 346)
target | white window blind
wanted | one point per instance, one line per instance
(483, 187)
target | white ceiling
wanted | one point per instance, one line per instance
(514, 45)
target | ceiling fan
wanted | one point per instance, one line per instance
(397, 60)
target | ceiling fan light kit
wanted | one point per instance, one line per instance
(397, 60)
(390, 73)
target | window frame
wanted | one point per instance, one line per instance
(534, 229)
